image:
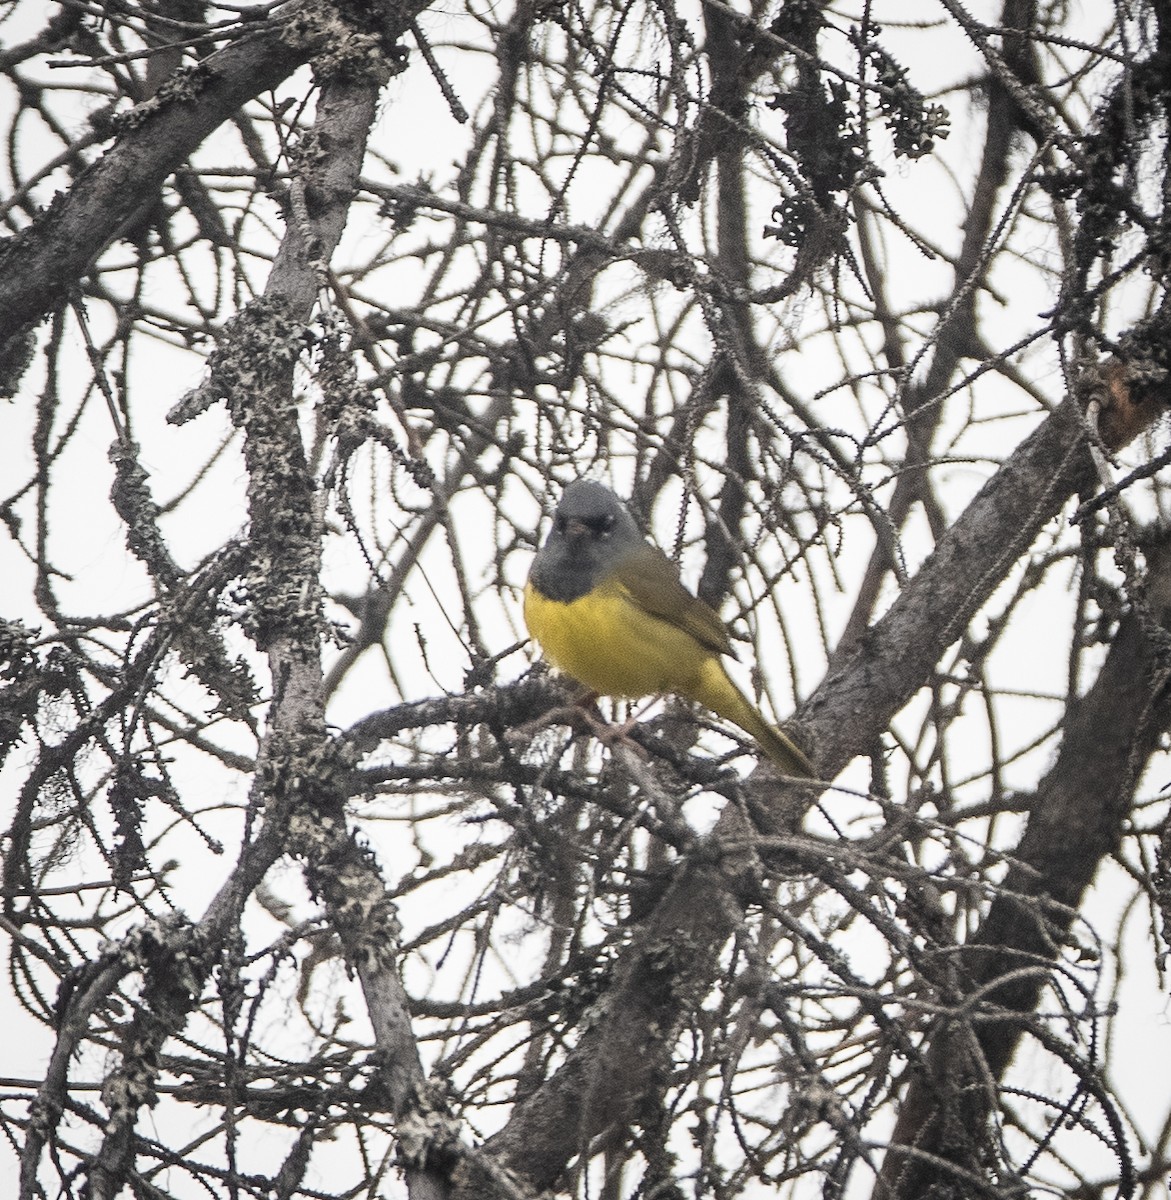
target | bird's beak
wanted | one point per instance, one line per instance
(575, 529)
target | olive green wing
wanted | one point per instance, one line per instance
(651, 580)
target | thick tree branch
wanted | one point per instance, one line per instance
(865, 687)
(285, 582)
(1077, 818)
(40, 264)
(299, 766)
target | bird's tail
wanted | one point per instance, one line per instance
(725, 699)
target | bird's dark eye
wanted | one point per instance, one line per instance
(603, 526)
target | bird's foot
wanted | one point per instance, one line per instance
(611, 735)
(584, 716)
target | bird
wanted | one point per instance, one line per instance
(608, 609)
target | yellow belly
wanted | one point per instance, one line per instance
(615, 648)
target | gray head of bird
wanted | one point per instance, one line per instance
(592, 530)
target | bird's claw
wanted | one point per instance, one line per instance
(584, 717)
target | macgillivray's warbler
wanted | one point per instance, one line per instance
(609, 610)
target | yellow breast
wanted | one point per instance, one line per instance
(607, 642)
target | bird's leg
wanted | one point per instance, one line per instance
(585, 716)
(611, 734)
(577, 715)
